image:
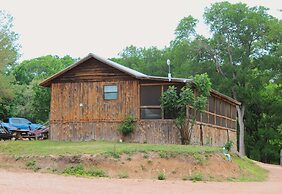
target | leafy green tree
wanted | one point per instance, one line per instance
(31, 100)
(243, 60)
(40, 68)
(265, 143)
(8, 42)
(239, 38)
(151, 61)
(186, 29)
(8, 56)
(174, 102)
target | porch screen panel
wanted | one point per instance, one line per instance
(150, 95)
(150, 102)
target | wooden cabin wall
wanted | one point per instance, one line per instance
(84, 102)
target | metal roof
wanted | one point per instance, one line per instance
(47, 82)
(115, 65)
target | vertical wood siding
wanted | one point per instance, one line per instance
(84, 102)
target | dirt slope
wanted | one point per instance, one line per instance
(38, 183)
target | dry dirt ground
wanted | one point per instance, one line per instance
(39, 183)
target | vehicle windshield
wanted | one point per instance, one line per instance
(20, 121)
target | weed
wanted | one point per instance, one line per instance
(114, 155)
(79, 170)
(200, 159)
(228, 145)
(123, 175)
(18, 158)
(174, 171)
(143, 167)
(211, 178)
(128, 158)
(31, 164)
(96, 173)
(185, 178)
(231, 179)
(52, 170)
(196, 176)
(161, 176)
(150, 162)
(164, 155)
(145, 156)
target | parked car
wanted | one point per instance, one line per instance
(4, 133)
(42, 133)
(20, 124)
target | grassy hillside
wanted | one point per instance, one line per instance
(128, 160)
(41, 148)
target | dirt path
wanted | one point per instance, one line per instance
(36, 183)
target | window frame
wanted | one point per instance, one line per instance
(104, 92)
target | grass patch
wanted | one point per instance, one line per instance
(195, 176)
(161, 176)
(43, 148)
(250, 171)
(79, 170)
(31, 165)
(200, 158)
(123, 175)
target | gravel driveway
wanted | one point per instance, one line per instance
(37, 183)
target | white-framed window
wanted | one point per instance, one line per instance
(110, 92)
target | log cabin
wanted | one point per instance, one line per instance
(90, 99)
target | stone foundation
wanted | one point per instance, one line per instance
(146, 131)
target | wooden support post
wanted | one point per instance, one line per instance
(281, 157)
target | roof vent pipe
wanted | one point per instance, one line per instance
(169, 74)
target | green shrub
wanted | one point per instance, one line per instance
(228, 145)
(161, 176)
(114, 154)
(32, 165)
(79, 170)
(145, 156)
(96, 173)
(164, 155)
(127, 126)
(197, 176)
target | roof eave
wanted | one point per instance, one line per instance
(47, 82)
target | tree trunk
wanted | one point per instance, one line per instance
(241, 112)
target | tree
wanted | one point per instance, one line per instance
(31, 100)
(146, 60)
(40, 68)
(8, 56)
(174, 102)
(239, 38)
(265, 143)
(186, 28)
(242, 58)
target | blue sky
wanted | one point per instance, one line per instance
(76, 28)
